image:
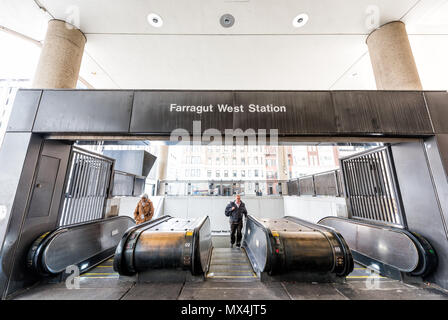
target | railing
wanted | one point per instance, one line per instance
(371, 187)
(327, 183)
(87, 187)
(220, 187)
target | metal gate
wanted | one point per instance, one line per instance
(371, 187)
(87, 187)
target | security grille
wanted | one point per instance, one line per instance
(371, 187)
(87, 187)
(320, 184)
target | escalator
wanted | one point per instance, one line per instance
(230, 265)
(166, 248)
(175, 249)
(84, 245)
(387, 249)
(293, 247)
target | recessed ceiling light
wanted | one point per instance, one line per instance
(154, 20)
(300, 20)
(227, 20)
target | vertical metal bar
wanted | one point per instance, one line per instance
(365, 181)
(370, 187)
(379, 191)
(102, 186)
(79, 214)
(97, 192)
(70, 189)
(90, 189)
(354, 191)
(348, 188)
(356, 177)
(73, 190)
(399, 219)
(364, 213)
(67, 199)
(76, 189)
(391, 211)
(94, 189)
(351, 189)
(106, 182)
(86, 209)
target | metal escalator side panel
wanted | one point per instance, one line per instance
(159, 250)
(202, 248)
(428, 259)
(38, 253)
(342, 256)
(169, 243)
(84, 246)
(258, 244)
(344, 259)
(307, 251)
(34, 256)
(387, 245)
(124, 253)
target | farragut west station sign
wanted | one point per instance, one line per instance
(293, 113)
(227, 108)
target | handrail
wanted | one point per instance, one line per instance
(428, 259)
(267, 231)
(118, 260)
(344, 246)
(196, 244)
(34, 256)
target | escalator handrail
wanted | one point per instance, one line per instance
(268, 234)
(34, 257)
(196, 241)
(118, 259)
(426, 253)
(343, 244)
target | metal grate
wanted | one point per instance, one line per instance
(371, 187)
(87, 187)
(320, 184)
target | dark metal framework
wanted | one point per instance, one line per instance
(87, 187)
(371, 187)
(127, 184)
(320, 184)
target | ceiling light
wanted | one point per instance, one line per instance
(154, 20)
(300, 20)
(227, 20)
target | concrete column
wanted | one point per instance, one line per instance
(60, 59)
(392, 59)
(162, 164)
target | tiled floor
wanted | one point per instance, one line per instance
(103, 283)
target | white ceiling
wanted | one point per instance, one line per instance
(261, 51)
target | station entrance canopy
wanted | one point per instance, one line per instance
(292, 113)
(36, 151)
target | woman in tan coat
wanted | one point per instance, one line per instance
(144, 210)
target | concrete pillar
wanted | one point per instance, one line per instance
(60, 58)
(392, 59)
(162, 164)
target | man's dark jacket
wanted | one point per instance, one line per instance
(236, 215)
